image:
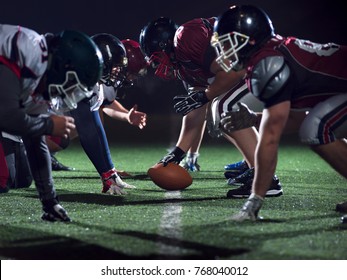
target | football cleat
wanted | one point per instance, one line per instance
(235, 169)
(55, 213)
(4, 189)
(341, 207)
(244, 184)
(245, 178)
(250, 209)
(57, 166)
(190, 163)
(190, 166)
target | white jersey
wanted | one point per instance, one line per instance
(102, 95)
(25, 52)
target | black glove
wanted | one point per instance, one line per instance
(186, 103)
(175, 156)
(239, 119)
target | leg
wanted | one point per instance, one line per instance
(94, 142)
(4, 170)
(40, 165)
(191, 161)
(192, 130)
(325, 130)
(245, 141)
(92, 137)
(335, 154)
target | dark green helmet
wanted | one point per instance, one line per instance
(74, 67)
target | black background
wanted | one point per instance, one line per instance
(319, 21)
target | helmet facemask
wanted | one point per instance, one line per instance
(64, 97)
(114, 74)
(228, 48)
(165, 69)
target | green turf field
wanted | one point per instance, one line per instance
(150, 223)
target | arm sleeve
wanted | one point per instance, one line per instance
(13, 118)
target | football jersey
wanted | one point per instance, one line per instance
(317, 71)
(25, 52)
(102, 95)
(193, 51)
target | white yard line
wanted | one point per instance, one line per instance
(170, 225)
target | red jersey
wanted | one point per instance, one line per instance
(193, 51)
(317, 71)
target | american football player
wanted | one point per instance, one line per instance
(88, 122)
(285, 73)
(136, 68)
(37, 73)
(184, 52)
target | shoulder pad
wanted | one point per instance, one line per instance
(268, 77)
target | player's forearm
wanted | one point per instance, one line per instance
(17, 122)
(223, 83)
(122, 116)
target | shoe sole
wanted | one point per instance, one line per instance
(231, 175)
(270, 193)
(51, 218)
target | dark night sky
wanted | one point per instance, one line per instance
(316, 20)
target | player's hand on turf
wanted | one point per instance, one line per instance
(62, 125)
(187, 103)
(137, 118)
(239, 119)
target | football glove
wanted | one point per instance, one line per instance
(239, 119)
(187, 103)
(113, 184)
(175, 156)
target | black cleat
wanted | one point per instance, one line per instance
(4, 189)
(235, 169)
(244, 184)
(55, 213)
(57, 166)
(341, 207)
(245, 178)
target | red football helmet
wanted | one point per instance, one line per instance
(137, 63)
(157, 42)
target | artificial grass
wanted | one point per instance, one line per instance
(150, 223)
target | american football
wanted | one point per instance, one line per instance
(171, 177)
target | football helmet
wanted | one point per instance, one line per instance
(157, 43)
(137, 62)
(115, 59)
(238, 33)
(74, 67)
